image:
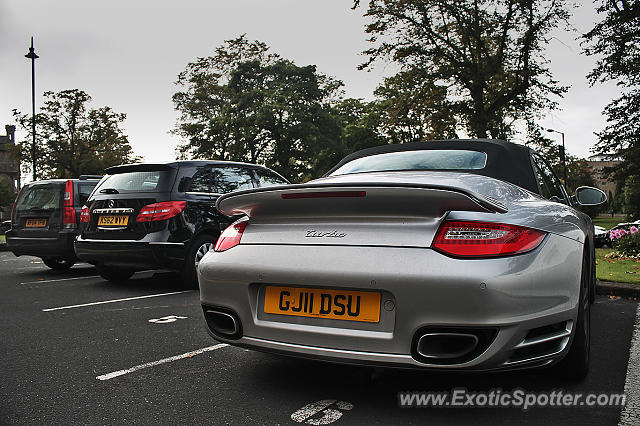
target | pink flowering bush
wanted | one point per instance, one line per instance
(626, 242)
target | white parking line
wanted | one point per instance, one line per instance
(161, 361)
(630, 414)
(60, 279)
(115, 300)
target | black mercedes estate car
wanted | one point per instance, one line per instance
(44, 219)
(160, 216)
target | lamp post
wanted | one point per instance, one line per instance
(32, 55)
(564, 156)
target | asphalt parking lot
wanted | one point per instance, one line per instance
(75, 349)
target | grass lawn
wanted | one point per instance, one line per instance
(622, 271)
(608, 222)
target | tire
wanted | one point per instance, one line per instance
(199, 247)
(114, 275)
(59, 264)
(575, 365)
(592, 287)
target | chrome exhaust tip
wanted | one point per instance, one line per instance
(222, 323)
(446, 346)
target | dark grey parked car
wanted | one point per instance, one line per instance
(45, 217)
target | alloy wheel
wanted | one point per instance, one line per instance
(202, 250)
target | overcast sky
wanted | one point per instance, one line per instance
(127, 54)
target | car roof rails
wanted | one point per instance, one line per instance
(85, 177)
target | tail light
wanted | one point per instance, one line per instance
(85, 215)
(68, 212)
(231, 236)
(484, 239)
(160, 211)
(331, 194)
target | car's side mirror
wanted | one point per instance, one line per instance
(588, 196)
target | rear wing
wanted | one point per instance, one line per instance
(355, 199)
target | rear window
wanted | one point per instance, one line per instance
(147, 181)
(84, 190)
(42, 196)
(267, 178)
(440, 159)
(216, 180)
(228, 179)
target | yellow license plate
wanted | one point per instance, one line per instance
(36, 223)
(119, 220)
(320, 303)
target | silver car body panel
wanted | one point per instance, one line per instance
(381, 242)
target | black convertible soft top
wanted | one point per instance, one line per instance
(506, 161)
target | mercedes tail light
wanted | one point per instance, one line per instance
(161, 211)
(485, 239)
(85, 215)
(231, 236)
(68, 212)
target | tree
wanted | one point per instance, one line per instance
(616, 42)
(72, 139)
(7, 196)
(214, 121)
(414, 108)
(246, 104)
(487, 55)
(631, 196)
(355, 125)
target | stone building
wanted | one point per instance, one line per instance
(9, 166)
(597, 164)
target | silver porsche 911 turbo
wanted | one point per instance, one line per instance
(459, 255)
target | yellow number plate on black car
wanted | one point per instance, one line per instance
(119, 220)
(320, 303)
(36, 223)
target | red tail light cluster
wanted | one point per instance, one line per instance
(485, 239)
(160, 211)
(231, 236)
(68, 212)
(85, 215)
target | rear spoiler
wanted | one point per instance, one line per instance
(355, 199)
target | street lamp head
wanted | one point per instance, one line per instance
(32, 53)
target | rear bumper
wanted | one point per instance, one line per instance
(137, 255)
(428, 290)
(58, 246)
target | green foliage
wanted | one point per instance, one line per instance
(72, 139)
(246, 104)
(626, 241)
(631, 194)
(412, 107)
(481, 59)
(615, 41)
(629, 245)
(7, 196)
(358, 127)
